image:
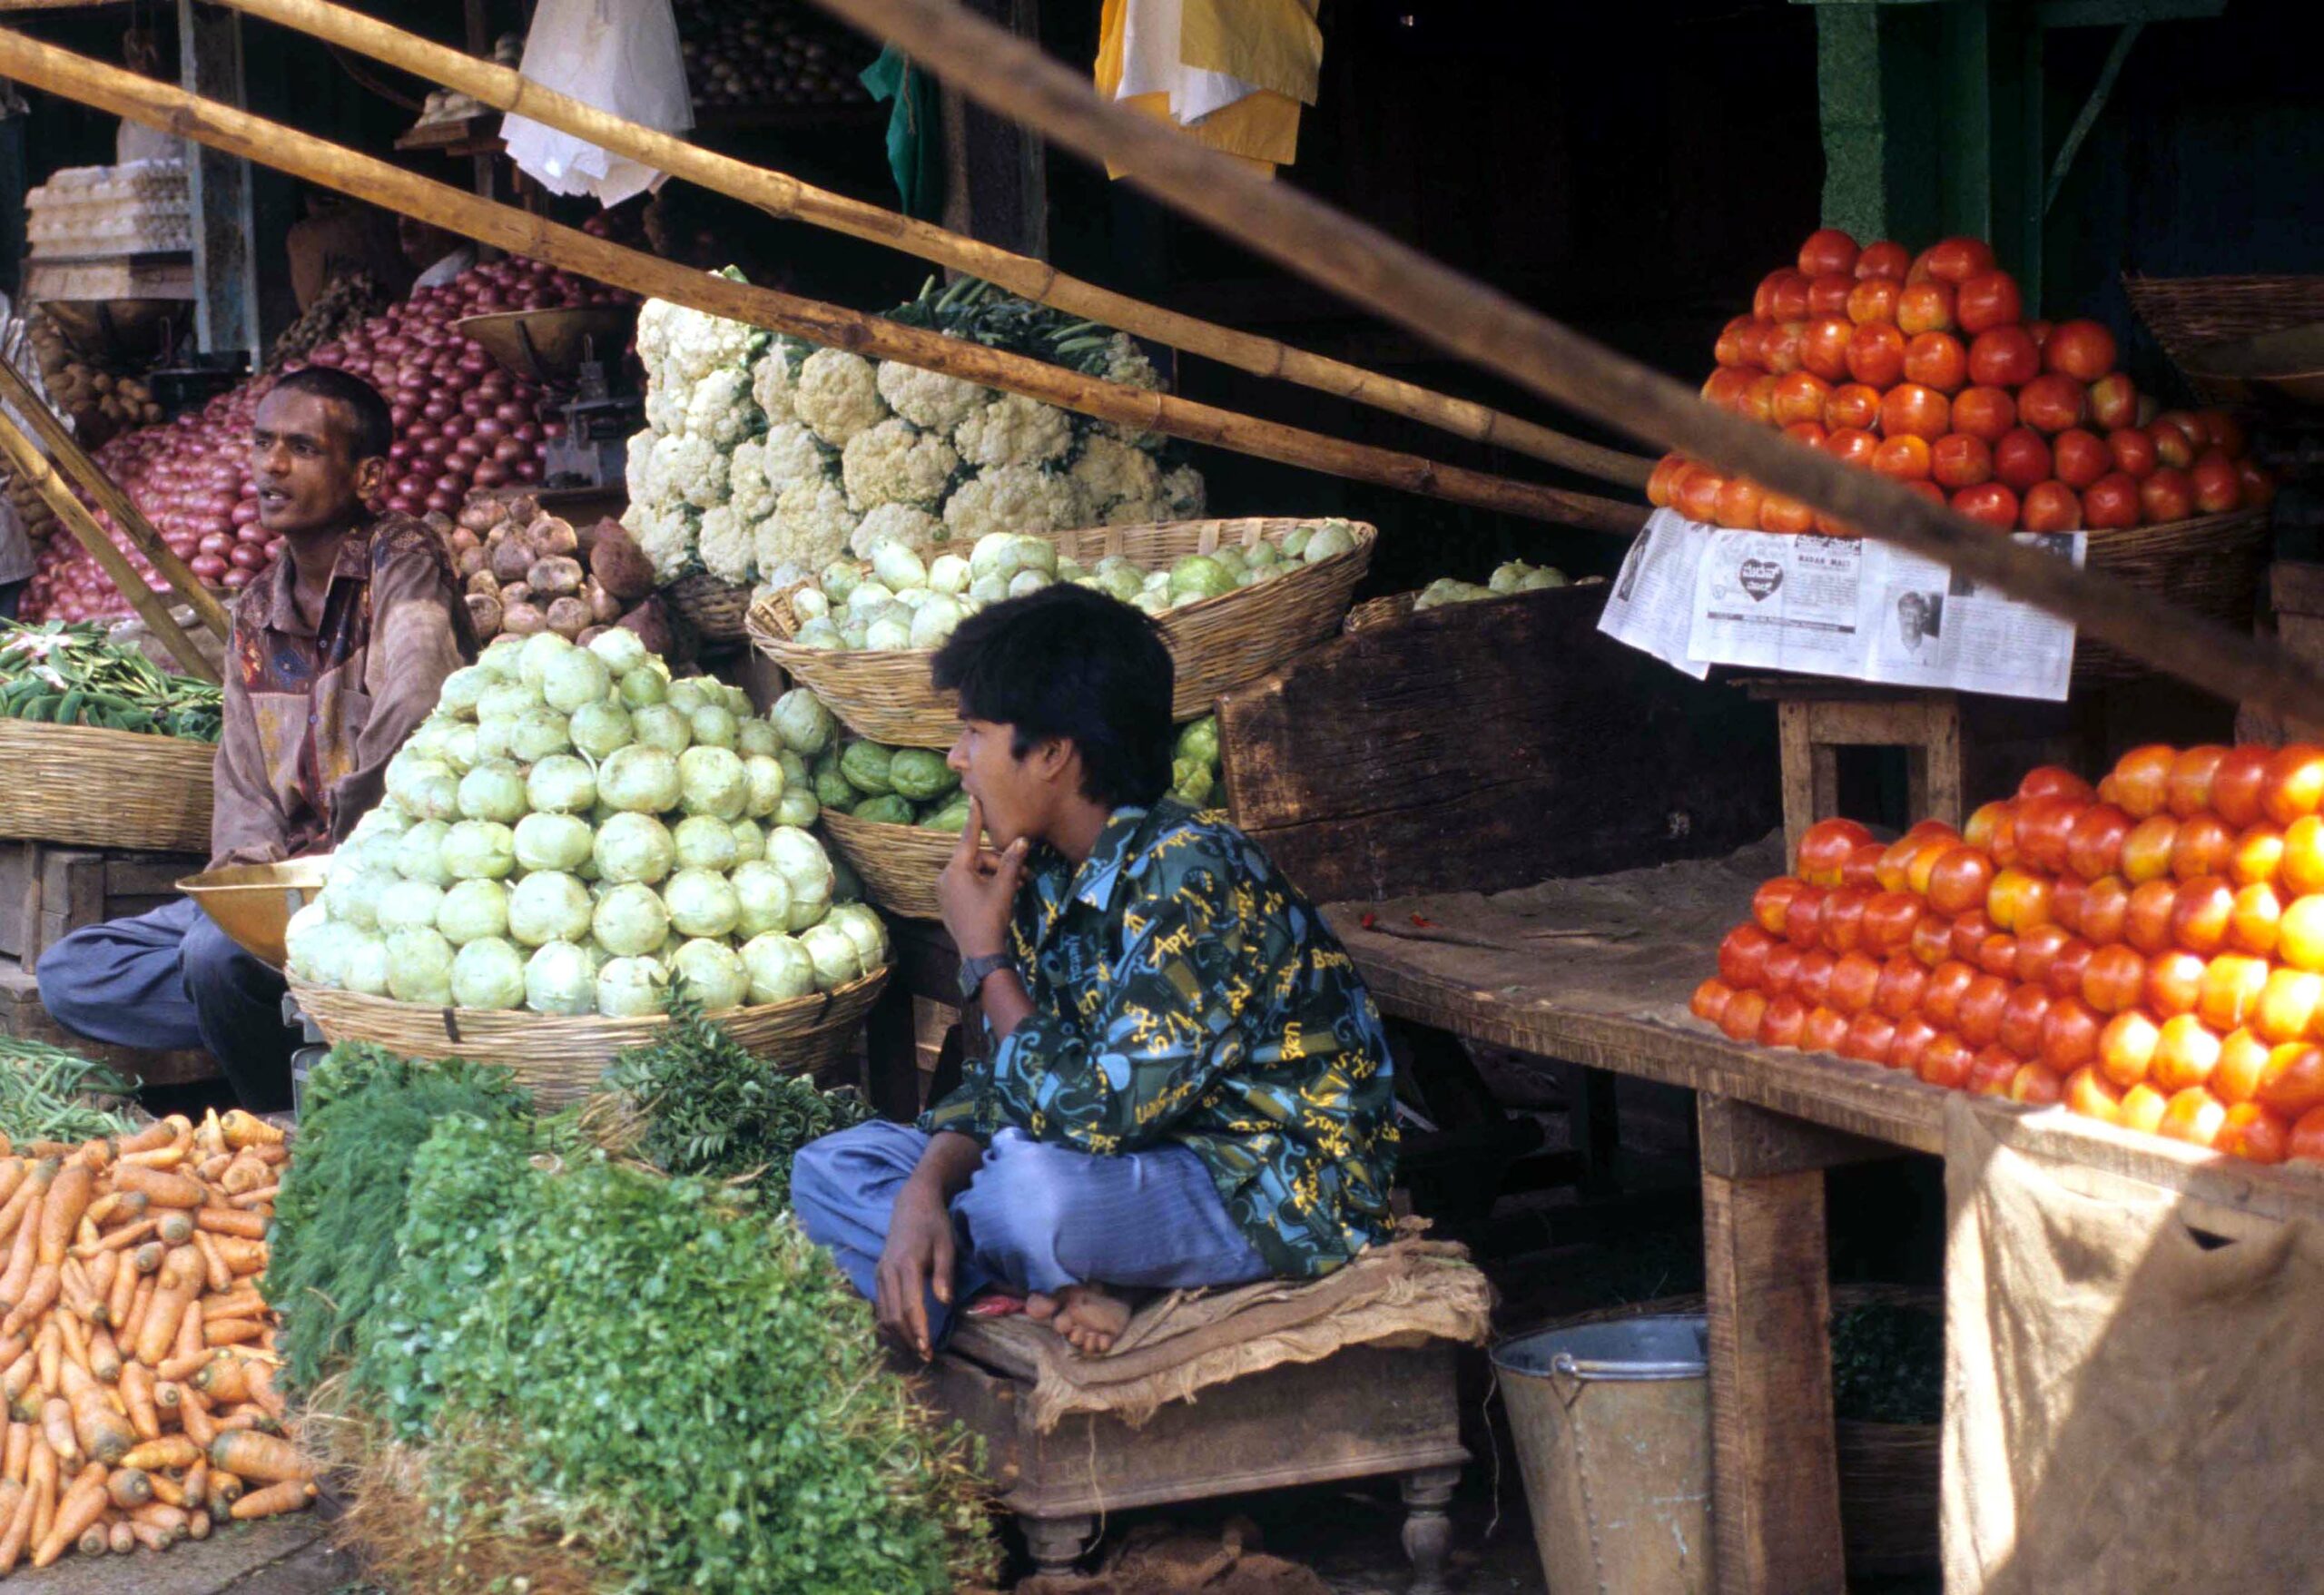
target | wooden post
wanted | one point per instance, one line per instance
(1775, 1469)
(997, 173)
(225, 270)
(1814, 727)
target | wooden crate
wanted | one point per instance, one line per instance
(23, 1017)
(47, 892)
(1480, 746)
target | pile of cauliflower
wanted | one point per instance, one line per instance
(898, 600)
(764, 458)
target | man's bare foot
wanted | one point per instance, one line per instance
(1085, 1314)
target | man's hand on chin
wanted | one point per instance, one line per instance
(977, 890)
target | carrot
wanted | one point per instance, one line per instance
(211, 1134)
(224, 1379)
(175, 1227)
(118, 1207)
(274, 1154)
(166, 1158)
(21, 1255)
(104, 1356)
(290, 1496)
(197, 1525)
(129, 1487)
(243, 1256)
(160, 1133)
(19, 1377)
(13, 1499)
(69, 1197)
(103, 1433)
(18, 1531)
(75, 1342)
(262, 1197)
(127, 1235)
(194, 1417)
(190, 1326)
(56, 1428)
(213, 1263)
(95, 1540)
(82, 1504)
(259, 1456)
(97, 1273)
(121, 1292)
(12, 1175)
(232, 1221)
(195, 1487)
(168, 1394)
(171, 1451)
(140, 1302)
(168, 1490)
(40, 1480)
(51, 1352)
(231, 1331)
(181, 1367)
(244, 1303)
(242, 1129)
(163, 1189)
(152, 1537)
(224, 1491)
(149, 1258)
(243, 1173)
(19, 1455)
(39, 1295)
(137, 1394)
(120, 1537)
(29, 1192)
(260, 1377)
(160, 1514)
(180, 1283)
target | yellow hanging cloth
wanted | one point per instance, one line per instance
(1233, 74)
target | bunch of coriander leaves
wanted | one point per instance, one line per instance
(711, 1109)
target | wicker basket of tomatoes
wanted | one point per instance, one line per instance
(1925, 370)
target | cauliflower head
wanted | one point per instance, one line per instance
(775, 376)
(896, 463)
(837, 395)
(1013, 498)
(929, 400)
(665, 404)
(1110, 472)
(1127, 363)
(809, 528)
(907, 524)
(748, 490)
(690, 468)
(699, 344)
(726, 544)
(1183, 491)
(792, 453)
(637, 472)
(665, 534)
(1014, 430)
(719, 407)
(654, 333)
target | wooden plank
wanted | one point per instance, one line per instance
(1429, 755)
(2296, 587)
(1810, 776)
(22, 1015)
(1740, 1141)
(1775, 1473)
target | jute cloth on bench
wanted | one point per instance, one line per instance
(1176, 1345)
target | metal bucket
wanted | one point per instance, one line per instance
(1612, 1421)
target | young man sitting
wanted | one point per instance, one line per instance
(1187, 1085)
(339, 650)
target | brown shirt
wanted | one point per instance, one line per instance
(314, 715)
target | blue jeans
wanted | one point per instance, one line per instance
(172, 981)
(1034, 1217)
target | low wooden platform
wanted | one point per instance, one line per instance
(21, 1014)
(1598, 970)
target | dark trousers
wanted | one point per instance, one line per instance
(172, 980)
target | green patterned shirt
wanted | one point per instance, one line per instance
(1184, 991)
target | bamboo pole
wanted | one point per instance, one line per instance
(780, 194)
(254, 138)
(92, 479)
(1013, 78)
(24, 455)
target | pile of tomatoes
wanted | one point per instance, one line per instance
(2150, 953)
(1923, 367)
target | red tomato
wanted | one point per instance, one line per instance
(1658, 484)
(2021, 1021)
(1914, 1035)
(1810, 434)
(1827, 248)
(1862, 868)
(1984, 413)
(2052, 402)
(2080, 458)
(1779, 513)
(1825, 847)
(1710, 1000)
(1727, 385)
(1955, 259)
(2111, 502)
(2255, 1133)
(1855, 977)
(2051, 507)
(1885, 260)
(1758, 400)
(1823, 1030)
(2126, 1047)
(1877, 354)
(1738, 505)
(1779, 347)
(1799, 397)
(1911, 410)
(2114, 401)
(1946, 1062)
(1763, 298)
(1823, 346)
(2174, 983)
(1729, 349)
(1986, 301)
(2113, 979)
(2036, 1086)
(1842, 928)
(2203, 845)
(1948, 982)
(1902, 983)
(1874, 299)
(2218, 488)
(2294, 788)
(1924, 307)
(2093, 1096)
(1906, 458)
(2132, 452)
(1960, 881)
(1960, 460)
(1926, 490)
(1852, 405)
(2187, 790)
(1787, 300)
(2258, 487)
(2236, 781)
(2232, 982)
(1933, 940)
(2172, 446)
(2094, 843)
(2044, 824)
(2066, 969)
(1698, 497)
(2037, 950)
(1980, 1009)
(1936, 360)
(2021, 459)
(1783, 966)
(2003, 357)
(2105, 910)
(1992, 1070)
(1888, 921)
(1969, 933)
(2167, 494)
(1803, 919)
(2055, 781)
(2147, 927)
(1869, 1037)
(1827, 295)
(1783, 1023)
(2225, 432)
(1744, 1010)
(1813, 984)
(2083, 350)
(1850, 445)
(1990, 503)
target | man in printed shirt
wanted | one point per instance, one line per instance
(339, 649)
(1189, 1085)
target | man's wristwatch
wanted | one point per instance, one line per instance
(974, 971)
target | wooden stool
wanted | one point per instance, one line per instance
(1815, 723)
(1365, 1411)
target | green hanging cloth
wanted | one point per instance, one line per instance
(915, 139)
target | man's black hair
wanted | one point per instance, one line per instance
(1070, 662)
(375, 423)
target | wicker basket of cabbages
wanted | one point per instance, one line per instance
(1233, 599)
(573, 837)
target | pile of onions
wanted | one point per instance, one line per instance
(461, 420)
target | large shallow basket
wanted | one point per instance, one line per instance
(86, 787)
(2213, 565)
(2185, 313)
(1217, 644)
(898, 863)
(560, 1061)
(715, 609)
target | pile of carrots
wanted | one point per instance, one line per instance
(138, 1350)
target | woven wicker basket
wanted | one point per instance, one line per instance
(2213, 565)
(1217, 645)
(2184, 313)
(715, 609)
(560, 1061)
(86, 787)
(899, 863)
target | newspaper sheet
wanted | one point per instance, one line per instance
(1698, 595)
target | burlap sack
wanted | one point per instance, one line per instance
(2130, 1405)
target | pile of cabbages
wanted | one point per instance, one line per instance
(574, 832)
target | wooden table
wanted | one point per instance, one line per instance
(1598, 971)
